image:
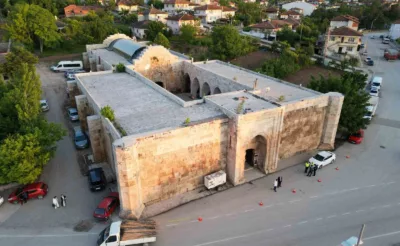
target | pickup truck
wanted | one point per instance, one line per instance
(128, 232)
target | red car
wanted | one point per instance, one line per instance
(357, 138)
(107, 206)
(35, 190)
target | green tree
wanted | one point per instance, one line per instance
(50, 5)
(15, 59)
(228, 43)
(355, 98)
(162, 40)
(156, 4)
(31, 24)
(99, 25)
(283, 66)
(286, 34)
(249, 13)
(224, 3)
(188, 33)
(153, 29)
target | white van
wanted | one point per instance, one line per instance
(376, 82)
(67, 65)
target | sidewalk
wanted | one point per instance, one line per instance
(166, 205)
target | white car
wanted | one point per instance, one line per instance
(44, 105)
(1, 200)
(323, 158)
(374, 91)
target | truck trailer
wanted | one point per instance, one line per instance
(128, 232)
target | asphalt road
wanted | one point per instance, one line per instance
(363, 191)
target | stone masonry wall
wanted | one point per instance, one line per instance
(159, 65)
(176, 161)
(302, 130)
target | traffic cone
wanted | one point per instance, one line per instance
(319, 180)
(261, 203)
(293, 190)
(337, 168)
(347, 156)
(200, 219)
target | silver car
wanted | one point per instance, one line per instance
(80, 139)
(44, 105)
(73, 114)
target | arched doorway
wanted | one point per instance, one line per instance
(160, 84)
(256, 153)
(186, 85)
(205, 90)
(195, 89)
(217, 91)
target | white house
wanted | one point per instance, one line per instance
(272, 13)
(172, 6)
(394, 31)
(153, 14)
(126, 5)
(290, 14)
(211, 13)
(138, 28)
(343, 41)
(201, 2)
(175, 22)
(307, 8)
(344, 20)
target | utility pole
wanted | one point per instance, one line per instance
(360, 236)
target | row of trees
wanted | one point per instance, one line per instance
(27, 140)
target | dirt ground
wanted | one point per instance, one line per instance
(303, 76)
(254, 59)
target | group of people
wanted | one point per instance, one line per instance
(63, 199)
(278, 182)
(310, 168)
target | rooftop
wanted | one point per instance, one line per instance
(247, 78)
(345, 31)
(137, 106)
(345, 18)
(181, 17)
(141, 24)
(111, 57)
(154, 11)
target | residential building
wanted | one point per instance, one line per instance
(139, 28)
(173, 6)
(127, 5)
(269, 29)
(264, 2)
(394, 31)
(153, 14)
(345, 20)
(298, 10)
(290, 14)
(201, 2)
(75, 10)
(307, 8)
(157, 154)
(211, 13)
(343, 41)
(272, 13)
(175, 22)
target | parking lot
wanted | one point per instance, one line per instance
(62, 174)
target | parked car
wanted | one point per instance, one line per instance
(385, 41)
(369, 61)
(1, 200)
(97, 179)
(44, 105)
(107, 206)
(372, 37)
(73, 114)
(381, 36)
(362, 45)
(66, 73)
(323, 158)
(374, 91)
(35, 190)
(80, 139)
(357, 138)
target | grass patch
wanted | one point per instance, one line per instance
(62, 51)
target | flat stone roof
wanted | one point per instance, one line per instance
(245, 77)
(231, 101)
(137, 107)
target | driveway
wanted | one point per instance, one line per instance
(62, 174)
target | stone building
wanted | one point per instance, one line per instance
(177, 120)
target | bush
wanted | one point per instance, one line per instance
(108, 112)
(120, 68)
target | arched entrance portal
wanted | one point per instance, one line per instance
(160, 84)
(205, 90)
(196, 89)
(256, 154)
(217, 91)
(186, 85)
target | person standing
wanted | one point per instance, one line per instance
(307, 166)
(315, 169)
(25, 196)
(280, 180)
(55, 202)
(310, 171)
(275, 184)
(63, 200)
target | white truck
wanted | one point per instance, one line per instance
(371, 108)
(128, 232)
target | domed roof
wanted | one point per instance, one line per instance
(126, 47)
